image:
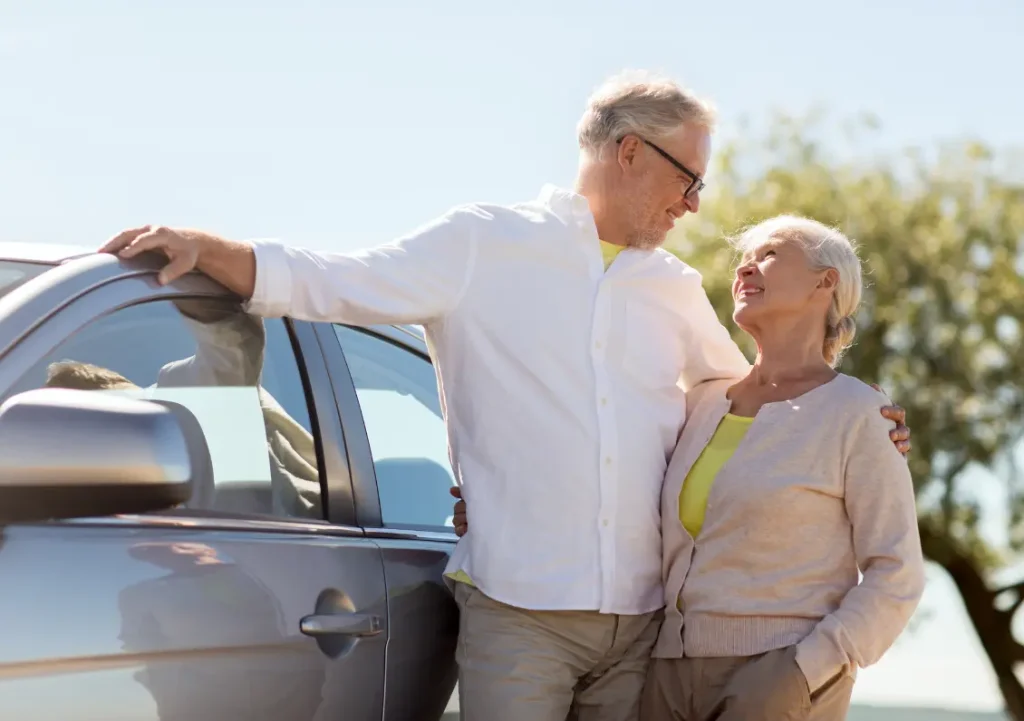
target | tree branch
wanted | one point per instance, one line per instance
(948, 501)
(1016, 588)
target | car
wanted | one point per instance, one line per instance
(209, 516)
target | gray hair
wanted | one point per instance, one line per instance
(825, 247)
(648, 105)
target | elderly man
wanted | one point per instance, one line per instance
(563, 339)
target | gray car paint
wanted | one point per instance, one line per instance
(184, 616)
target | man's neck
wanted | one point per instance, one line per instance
(608, 229)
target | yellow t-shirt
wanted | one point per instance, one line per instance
(693, 500)
(609, 252)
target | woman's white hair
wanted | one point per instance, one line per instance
(648, 105)
(825, 247)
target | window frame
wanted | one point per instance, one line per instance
(364, 477)
(27, 337)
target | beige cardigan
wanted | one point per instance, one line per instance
(815, 491)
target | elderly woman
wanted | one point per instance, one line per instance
(783, 486)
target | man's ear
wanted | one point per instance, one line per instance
(627, 151)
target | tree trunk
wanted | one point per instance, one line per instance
(993, 625)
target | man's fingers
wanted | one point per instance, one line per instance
(459, 512)
(124, 239)
(175, 269)
(155, 239)
(895, 413)
(900, 434)
(181, 253)
(901, 437)
(460, 523)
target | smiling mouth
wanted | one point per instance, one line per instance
(747, 292)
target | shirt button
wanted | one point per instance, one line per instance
(604, 401)
(597, 345)
(608, 460)
(604, 522)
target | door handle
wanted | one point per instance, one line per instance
(340, 624)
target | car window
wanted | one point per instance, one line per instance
(14, 274)
(239, 376)
(397, 392)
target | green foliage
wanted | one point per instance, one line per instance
(941, 235)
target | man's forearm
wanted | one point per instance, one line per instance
(229, 262)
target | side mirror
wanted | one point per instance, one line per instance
(78, 454)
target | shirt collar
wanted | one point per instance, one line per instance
(565, 203)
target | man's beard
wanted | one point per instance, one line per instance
(646, 239)
(646, 235)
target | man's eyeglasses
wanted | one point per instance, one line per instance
(696, 182)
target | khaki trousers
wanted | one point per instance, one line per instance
(522, 665)
(769, 687)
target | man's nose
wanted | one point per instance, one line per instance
(692, 202)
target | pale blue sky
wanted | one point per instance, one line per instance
(337, 125)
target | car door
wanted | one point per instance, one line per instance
(398, 451)
(259, 598)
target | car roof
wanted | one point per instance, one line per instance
(47, 253)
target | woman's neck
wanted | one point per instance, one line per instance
(789, 355)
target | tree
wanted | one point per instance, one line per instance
(941, 235)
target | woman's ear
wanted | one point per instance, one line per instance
(829, 279)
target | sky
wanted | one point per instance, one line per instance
(337, 125)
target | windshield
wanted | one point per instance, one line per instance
(13, 273)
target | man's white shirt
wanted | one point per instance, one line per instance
(562, 384)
